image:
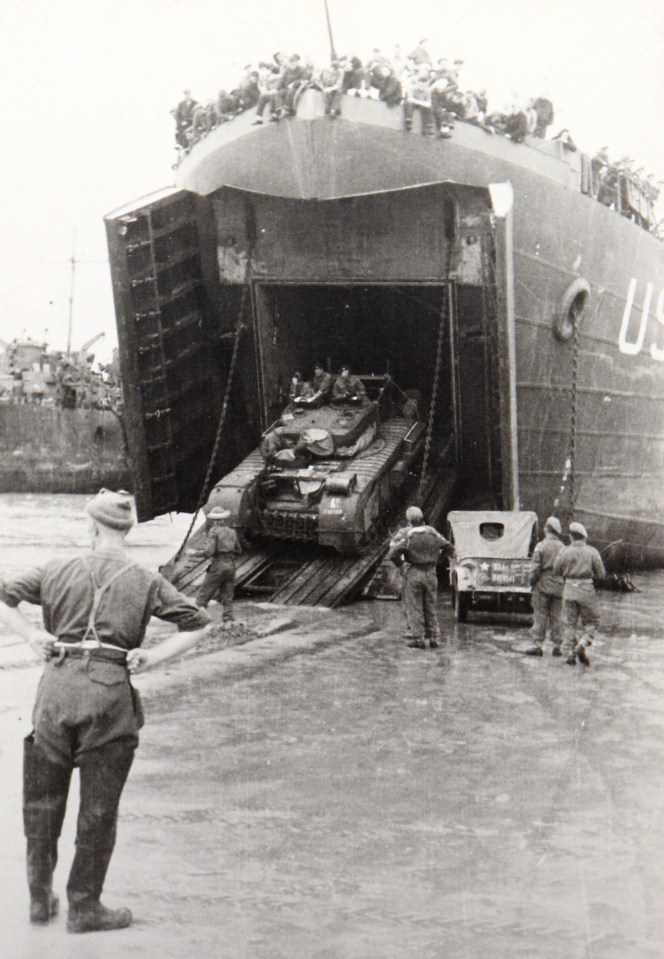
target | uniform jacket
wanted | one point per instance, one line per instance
(323, 384)
(418, 545)
(544, 556)
(579, 564)
(346, 389)
(222, 541)
(64, 590)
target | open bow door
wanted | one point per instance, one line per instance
(168, 348)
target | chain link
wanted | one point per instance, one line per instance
(573, 420)
(568, 480)
(432, 405)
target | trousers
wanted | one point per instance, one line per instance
(425, 115)
(420, 592)
(103, 773)
(584, 612)
(86, 716)
(219, 581)
(547, 611)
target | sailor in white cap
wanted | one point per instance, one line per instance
(416, 548)
(547, 590)
(222, 547)
(579, 564)
(95, 609)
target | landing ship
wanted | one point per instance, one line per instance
(485, 272)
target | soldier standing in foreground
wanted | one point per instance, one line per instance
(547, 590)
(95, 609)
(579, 564)
(416, 549)
(222, 547)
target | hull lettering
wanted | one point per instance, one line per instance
(632, 339)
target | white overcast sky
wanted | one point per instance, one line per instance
(88, 85)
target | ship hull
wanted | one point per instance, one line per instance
(355, 241)
(61, 451)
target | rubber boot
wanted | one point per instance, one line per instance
(45, 790)
(86, 880)
(103, 772)
(41, 859)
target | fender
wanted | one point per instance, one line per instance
(574, 301)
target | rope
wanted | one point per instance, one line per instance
(432, 405)
(222, 418)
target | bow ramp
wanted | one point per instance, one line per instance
(308, 575)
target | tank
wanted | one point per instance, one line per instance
(330, 474)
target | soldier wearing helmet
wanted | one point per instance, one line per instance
(222, 547)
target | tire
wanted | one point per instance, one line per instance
(460, 602)
(573, 303)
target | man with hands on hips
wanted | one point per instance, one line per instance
(95, 608)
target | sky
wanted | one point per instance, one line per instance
(89, 85)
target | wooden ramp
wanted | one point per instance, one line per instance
(329, 580)
(187, 574)
(295, 575)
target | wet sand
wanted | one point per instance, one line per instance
(310, 787)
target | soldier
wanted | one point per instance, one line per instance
(272, 443)
(347, 387)
(547, 590)
(544, 110)
(222, 547)
(417, 96)
(292, 79)
(296, 386)
(184, 115)
(579, 564)
(416, 548)
(329, 82)
(95, 610)
(269, 79)
(322, 384)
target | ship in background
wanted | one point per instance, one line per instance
(482, 272)
(61, 428)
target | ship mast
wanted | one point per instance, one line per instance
(333, 52)
(71, 295)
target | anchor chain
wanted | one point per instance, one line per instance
(568, 481)
(573, 420)
(432, 405)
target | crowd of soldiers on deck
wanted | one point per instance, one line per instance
(417, 84)
(619, 186)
